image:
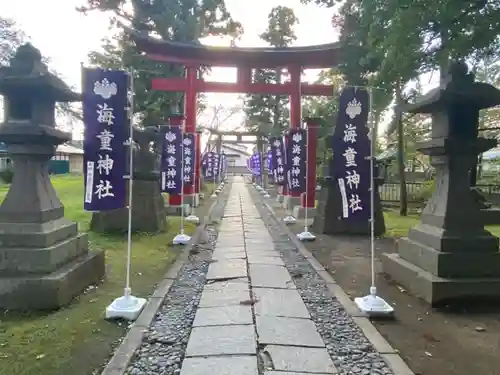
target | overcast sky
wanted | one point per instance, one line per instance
(69, 36)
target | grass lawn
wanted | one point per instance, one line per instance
(77, 340)
(397, 226)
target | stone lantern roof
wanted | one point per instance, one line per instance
(458, 88)
(28, 72)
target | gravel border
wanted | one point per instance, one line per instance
(165, 342)
(174, 300)
(353, 343)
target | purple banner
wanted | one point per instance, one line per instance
(211, 165)
(188, 150)
(204, 164)
(106, 127)
(278, 159)
(215, 164)
(296, 157)
(351, 149)
(269, 162)
(171, 160)
(256, 164)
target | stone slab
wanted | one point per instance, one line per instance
(231, 240)
(263, 253)
(222, 255)
(279, 302)
(288, 331)
(223, 316)
(235, 238)
(252, 247)
(227, 269)
(226, 286)
(225, 340)
(273, 261)
(229, 249)
(240, 365)
(224, 298)
(267, 276)
(299, 359)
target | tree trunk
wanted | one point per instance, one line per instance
(398, 118)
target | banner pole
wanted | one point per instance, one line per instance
(289, 218)
(192, 218)
(182, 180)
(182, 238)
(130, 187)
(128, 307)
(306, 235)
(214, 194)
(306, 226)
(373, 305)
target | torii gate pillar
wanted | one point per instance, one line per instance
(293, 200)
(191, 192)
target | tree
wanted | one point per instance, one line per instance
(487, 70)
(326, 109)
(181, 21)
(270, 111)
(10, 38)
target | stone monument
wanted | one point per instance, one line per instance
(148, 205)
(449, 256)
(44, 261)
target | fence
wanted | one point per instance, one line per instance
(390, 192)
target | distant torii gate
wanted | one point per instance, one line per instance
(194, 55)
(248, 137)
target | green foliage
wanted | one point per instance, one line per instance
(270, 112)
(7, 174)
(488, 71)
(10, 38)
(402, 45)
(181, 21)
(326, 109)
(423, 194)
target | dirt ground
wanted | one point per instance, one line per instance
(458, 341)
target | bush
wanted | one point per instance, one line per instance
(7, 174)
(423, 194)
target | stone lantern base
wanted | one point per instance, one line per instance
(46, 269)
(441, 277)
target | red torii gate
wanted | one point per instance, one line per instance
(194, 55)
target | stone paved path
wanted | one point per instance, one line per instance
(249, 304)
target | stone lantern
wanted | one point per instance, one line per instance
(449, 255)
(44, 261)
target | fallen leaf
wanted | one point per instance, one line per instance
(249, 302)
(430, 337)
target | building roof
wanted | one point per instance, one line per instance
(69, 149)
(63, 149)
